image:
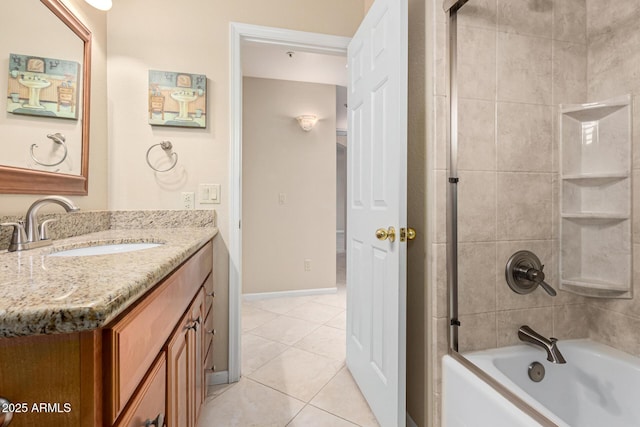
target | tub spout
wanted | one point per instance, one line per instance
(526, 334)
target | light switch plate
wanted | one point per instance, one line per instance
(209, 193)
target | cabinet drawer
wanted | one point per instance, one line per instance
(135, 340)
(150, 401)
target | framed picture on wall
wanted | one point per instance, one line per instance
(39, 86)
(177, 99)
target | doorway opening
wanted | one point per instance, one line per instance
(243, 35)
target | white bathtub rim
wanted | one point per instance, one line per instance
(484, 359)
(505, 414)
(594, 347)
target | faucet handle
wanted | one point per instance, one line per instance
(524, 273)
(19, 236)
(43, 228)
(548, 289)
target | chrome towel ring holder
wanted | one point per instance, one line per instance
(57, 138)
(167, 146)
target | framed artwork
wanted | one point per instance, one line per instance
(177, 99)
(39, 86)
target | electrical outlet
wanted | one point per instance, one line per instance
(307, 264)
(188, 200)
(282, 199)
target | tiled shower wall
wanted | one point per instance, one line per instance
(613, 41)
(517, 61)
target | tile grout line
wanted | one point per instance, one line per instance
(289, 346)
(262, 365)
(339, 364)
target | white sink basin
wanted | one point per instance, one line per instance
(108, 249)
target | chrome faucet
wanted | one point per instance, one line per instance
(526, 334)
(30, 235)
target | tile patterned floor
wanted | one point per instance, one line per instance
(293, 367)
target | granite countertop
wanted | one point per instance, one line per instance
(51, 295)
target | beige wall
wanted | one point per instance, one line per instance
(278, 157)
(97, 198)
(367, 5)
(191, 38)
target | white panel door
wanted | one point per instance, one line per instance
(376, 197)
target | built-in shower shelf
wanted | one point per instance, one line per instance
(595, 194)
(596, 284)
(596, 289)
(604, 216)
(596, 178)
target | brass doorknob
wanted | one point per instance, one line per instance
(411, 233)
(389, 234)
(407, 234)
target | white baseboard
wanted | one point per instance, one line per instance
(215, 378)
(282, 294)
(410, 422)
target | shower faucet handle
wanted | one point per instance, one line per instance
(530, 273)
(548, 289)
(535, 275)
(524, 272)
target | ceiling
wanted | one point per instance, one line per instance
(272, 61)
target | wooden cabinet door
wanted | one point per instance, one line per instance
(179, 413)
(198, 311)
(185, 382)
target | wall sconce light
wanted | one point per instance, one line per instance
(100, 4)
(307, 122)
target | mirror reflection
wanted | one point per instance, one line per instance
(41, 120)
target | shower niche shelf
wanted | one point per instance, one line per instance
(595, 193)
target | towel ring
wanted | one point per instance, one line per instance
(167, 147)
(58, 138)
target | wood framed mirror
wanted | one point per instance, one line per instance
(22, 180)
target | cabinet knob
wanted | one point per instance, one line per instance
(195, 323)
(158, 422)
(5, 414)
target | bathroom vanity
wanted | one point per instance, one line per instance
(120, 339)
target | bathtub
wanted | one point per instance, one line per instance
(597, 387)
